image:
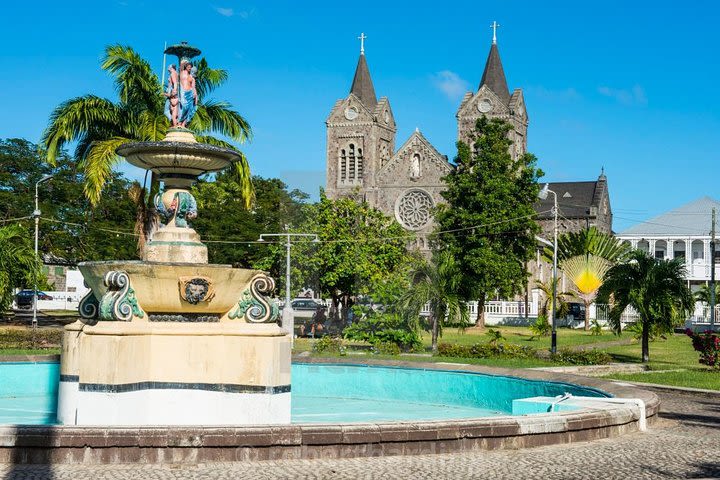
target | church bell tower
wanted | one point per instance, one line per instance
(360, 138)
(493, 100)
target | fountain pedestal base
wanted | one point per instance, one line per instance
(141, 373)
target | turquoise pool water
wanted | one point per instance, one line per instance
(325, 393)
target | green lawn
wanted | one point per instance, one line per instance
(523, 336)
(30, 351)
(672, 362)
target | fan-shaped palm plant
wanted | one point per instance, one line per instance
(584, 257)
(99, 126)
(656, 289)
(586, 273)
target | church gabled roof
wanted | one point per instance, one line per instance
(362, 86)
(693, 219)
(494, 75)
(575, 199)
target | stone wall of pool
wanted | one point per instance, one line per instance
(188, 445)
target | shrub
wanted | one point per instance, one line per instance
(328, 344)
(595, 327)
(541, 327)
(656, 331)
(495, 335)
(486, 350)
(510, 350)
(384, 328)
(386, 348)
(708, 345)
(581, 357)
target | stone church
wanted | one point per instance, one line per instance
(362, 160)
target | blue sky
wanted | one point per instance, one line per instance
(631, 86)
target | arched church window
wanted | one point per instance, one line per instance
(343, 165)
(359, 164)
(351, 162)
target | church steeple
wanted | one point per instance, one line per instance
(362, 86)
(494, 75)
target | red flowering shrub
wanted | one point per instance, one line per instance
(708, 345)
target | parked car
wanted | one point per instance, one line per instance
(306, 304)
(24, 298)
(577, 310)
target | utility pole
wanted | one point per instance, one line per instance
(712, 272)
(288, 316)
(36, 215)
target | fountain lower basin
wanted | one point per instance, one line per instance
(175, 344)
(371, 436)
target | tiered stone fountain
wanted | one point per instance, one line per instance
(171, 339)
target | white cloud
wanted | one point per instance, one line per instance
(231, 12)
(565, 94)
(633, 96)
(450, 84)
(225, 12)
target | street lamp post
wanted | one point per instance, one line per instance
(288, 317)
(543, 195)
(36, 215)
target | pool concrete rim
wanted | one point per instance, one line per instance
(193, 444)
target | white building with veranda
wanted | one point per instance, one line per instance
(684, 232)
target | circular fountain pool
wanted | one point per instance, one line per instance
(339, 410)
(338, 393)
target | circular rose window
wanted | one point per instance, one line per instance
(414, 209)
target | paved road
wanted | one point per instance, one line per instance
(683, 443)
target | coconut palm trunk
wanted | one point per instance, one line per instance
(645, 342)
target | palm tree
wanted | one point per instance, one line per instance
(18, 264)
(436, 283)
(546, 288)
(655, 288)
(585, 257)
(99, 125)
(703, 294)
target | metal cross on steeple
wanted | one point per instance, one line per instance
(494, 26)
(362, 38)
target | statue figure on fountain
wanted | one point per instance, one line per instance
(171, 94)
(188, 94)
(176, 207)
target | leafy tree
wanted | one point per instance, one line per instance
(18, 265)
(99, 126)
(655, 288)
(222, 216)
(585, 257)
(489, 215)
(70, 227)
(360, 251)
(438, 284)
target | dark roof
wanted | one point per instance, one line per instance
(574, 199)
(362, 86)
(494, 75)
